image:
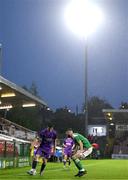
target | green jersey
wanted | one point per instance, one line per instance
(78, 137)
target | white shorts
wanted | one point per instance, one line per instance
(85, 152)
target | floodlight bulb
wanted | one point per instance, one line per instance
(83, 17)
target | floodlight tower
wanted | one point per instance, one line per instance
(83, 17)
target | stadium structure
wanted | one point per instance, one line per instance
(110, 131)
(15, 139)
(117, 132)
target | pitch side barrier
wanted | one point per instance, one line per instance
(119, 156)
(14, 153)
(14, 162)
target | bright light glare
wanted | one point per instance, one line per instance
(29, 105)
(6, 107)
(83, 17)
(8, 95)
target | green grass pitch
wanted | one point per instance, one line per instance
(97, 169)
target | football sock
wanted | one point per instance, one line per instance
(34, 164)
(78, 164)
(64, 161)
(69, 162)
(42, 167)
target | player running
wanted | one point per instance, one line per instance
(67, 150)
(85, 148)
(46, 148)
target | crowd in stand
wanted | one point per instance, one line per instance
(12, 129)
(121, 144)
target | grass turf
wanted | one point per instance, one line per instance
(97, 169)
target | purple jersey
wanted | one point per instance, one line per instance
(48, 140)
(68, 144)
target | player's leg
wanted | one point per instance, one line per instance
(46, 156)
(32, 155)
(43, 166)
(69, 161)
(65, 160)
(69, 155)
(77, 162)
(38, 154)
(86, 152)
(34, 164)
(83, 155)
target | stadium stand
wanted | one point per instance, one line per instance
(14, 130)
(117, 126)
(15, 143)
(121, 149)
(15, 139)
(19, 97)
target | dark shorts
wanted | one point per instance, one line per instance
(68, 153)
(43, 153)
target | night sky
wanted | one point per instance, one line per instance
(39, 47)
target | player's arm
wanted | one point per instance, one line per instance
(73, 146)
(64, 144)
(81, 145)
(63, 147)
(79, 142)
(54, 144)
